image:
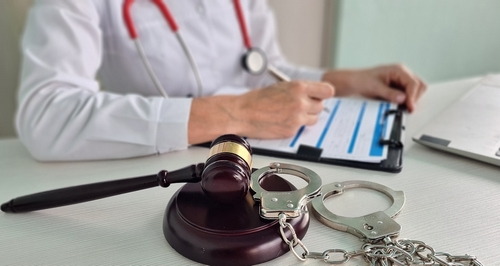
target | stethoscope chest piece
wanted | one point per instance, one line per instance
(254, 61)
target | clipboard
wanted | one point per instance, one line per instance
(392, 164)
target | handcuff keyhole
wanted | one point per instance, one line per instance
(368, 227)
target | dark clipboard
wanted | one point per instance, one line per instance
(393, 163)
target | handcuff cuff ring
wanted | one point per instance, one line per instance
(371, 227)
(290, 203)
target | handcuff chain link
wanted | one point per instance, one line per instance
(325, 256)
(389, 252)
(294, 241)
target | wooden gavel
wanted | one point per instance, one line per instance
(225, 177)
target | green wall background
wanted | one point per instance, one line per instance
(438, 39)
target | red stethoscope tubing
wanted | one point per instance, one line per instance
(129, 22)
(243, 26)
(173, 24)
(254, 60)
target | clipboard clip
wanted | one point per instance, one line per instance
(396, 112)
(309, 153)
(393, 143)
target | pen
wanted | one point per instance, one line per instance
(280, 76)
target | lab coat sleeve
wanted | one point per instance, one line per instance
(263, 34)
(232, 90)
(63, 115)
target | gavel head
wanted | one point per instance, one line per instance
(226, 176)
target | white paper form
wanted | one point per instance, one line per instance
(470, 125)
(350, 130)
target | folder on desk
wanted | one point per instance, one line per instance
(351, 132)
(469, 127)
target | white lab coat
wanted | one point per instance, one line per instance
(85, 94)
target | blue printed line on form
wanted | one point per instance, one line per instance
(376, 148)
(327, 125)
(356, 129)
(297, 136)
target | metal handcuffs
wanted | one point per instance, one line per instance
(371, 227)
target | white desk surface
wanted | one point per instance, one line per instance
(452, 203)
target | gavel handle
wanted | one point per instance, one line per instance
(83, 193)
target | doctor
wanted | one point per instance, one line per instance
(86, 94)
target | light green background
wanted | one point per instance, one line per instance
(438, 39)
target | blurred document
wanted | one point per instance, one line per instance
(351, 129)
(469, 127)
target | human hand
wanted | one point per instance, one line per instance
(394, 83)
(278, 111)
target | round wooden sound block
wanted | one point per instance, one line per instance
(212, 233)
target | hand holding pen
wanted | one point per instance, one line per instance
(280, 76)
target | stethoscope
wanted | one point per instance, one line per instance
(254, 60)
